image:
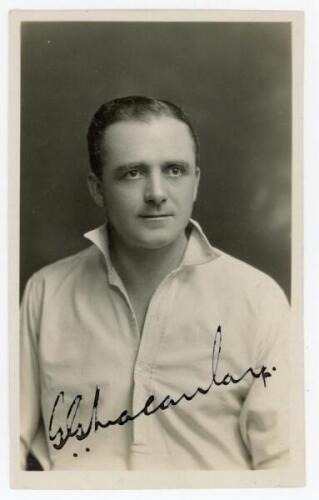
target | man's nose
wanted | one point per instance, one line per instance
(155, 190)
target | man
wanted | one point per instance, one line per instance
(151, 349)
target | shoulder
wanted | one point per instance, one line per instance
(245, 279)
(68, 268)
(232, 276)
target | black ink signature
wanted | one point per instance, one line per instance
(62, 435)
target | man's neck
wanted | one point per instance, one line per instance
(143, 269)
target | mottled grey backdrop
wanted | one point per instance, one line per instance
(234, 79)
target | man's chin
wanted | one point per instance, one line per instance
(156, 244)
(160, 238)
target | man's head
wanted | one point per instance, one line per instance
(131, 108)
(144, 162)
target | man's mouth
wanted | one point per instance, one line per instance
(155, 216)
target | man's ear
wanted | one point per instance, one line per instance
(197, 174)
(95, 188)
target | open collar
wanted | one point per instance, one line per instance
(198, 250)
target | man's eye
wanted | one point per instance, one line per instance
(132, 174)
(175, 171)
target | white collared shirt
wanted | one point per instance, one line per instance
(80, 341)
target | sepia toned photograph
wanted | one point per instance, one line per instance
(156, 250)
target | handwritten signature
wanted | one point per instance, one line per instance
(61, 435)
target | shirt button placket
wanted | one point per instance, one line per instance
(141, 392)
(143, 385)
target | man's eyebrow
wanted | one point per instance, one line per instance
(124, 167)
(178, 163)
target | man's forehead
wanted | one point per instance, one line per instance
(157, 131)
(159, 123)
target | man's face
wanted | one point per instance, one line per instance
(149, 180)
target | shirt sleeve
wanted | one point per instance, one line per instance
(264, 422)
(30, 407)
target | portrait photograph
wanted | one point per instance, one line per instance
(155, 204)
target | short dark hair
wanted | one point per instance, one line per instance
(126, 109)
